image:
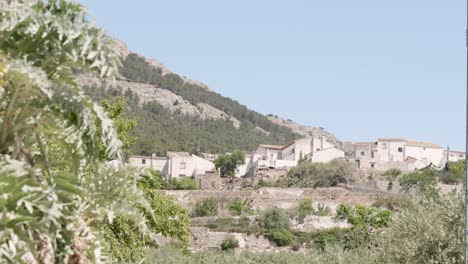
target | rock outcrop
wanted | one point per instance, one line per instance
(306, 131)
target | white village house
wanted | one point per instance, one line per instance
(314, 149)
(406, 155)
(380, 155)
(175, 164)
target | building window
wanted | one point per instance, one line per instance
(400, 149)
(460, 155)
(384, 145)
(143, 161)
(293, 151)
(183, 165)
(363, 153)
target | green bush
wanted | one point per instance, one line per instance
(241, 225)
(275, 218)
(422, 180)
(322, 210)
(186, 183)
(229, 243)
(313, 175)
(428, 231)
(362, 216)
(240, 206)
(281, 236)
(451, 177)
(332, 255)
(207, 207)
(305, 209)
(343, 211)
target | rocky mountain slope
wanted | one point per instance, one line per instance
(303, 130)
(167, 107)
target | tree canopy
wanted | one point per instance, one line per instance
(228, 163)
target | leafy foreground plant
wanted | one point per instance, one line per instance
(428, 231)
(58, 192)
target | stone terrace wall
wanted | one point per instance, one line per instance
(271, 197)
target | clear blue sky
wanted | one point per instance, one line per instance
(362, 69)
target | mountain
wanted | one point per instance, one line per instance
(177, 113)
(305, 131)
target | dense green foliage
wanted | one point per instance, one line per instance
(274, 218)
(127, 241)
(332, 255)
(62, 201)
(206, 207)
(137, 69)
(56, 191)
(313, 175)
(159, 130)
(427, 231)
(305, 209)
(115, 109)
(236, 225)
(363, 216)
(425, 180)
(239, 206)
(228, 163)
(281, 236)
(229, 243)
(186, 183)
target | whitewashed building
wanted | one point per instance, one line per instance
(175, 164)
(400, 153)
(454, 155)
(153, 162)
(315, 149)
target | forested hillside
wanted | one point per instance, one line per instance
(160, 130)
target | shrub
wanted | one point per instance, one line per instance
(362, 216)
(332, 255)
(239, 206)
(313, 175)
(305, 209)
(229, 243)
(343, 211)
(187, 184)
(451, 177)
(281, 236)
(428, 231)
(207, 207)
(275, 218)
(322, 210)
(242, 225)
(420, 179)
(180, 184)
(393, 203)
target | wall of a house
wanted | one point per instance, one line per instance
(327, 155)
